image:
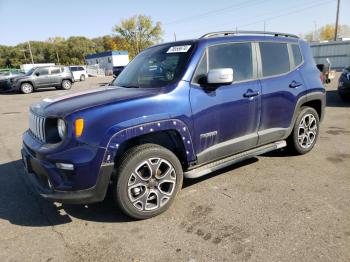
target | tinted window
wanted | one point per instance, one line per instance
(274, 58)
(73, 68)
(237, 56)
(81, 68)
(55, 71)
(42, 71)
(298, 59)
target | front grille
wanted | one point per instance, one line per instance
(37, 126)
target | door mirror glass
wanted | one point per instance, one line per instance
(37, 74)
(220, 76)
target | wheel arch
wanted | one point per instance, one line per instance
(27, 82)
(315, 104)
(172, 134)
(315, 100)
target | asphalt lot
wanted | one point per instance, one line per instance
(271, 208)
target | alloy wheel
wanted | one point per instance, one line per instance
(27, 88)
(152, 184)
(307, 131)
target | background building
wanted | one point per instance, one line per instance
(107, 60)
(338, 53)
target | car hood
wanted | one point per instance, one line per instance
(64, 105)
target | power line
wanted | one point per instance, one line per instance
(288, 13)
(316, 3)
(213, 12)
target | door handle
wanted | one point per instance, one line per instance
(250, 93)
(295, 84)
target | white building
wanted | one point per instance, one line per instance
(27, 67)
(337, 52)
(107, 60)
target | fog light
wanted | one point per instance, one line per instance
(65, 166)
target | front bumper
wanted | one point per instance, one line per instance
(86, 183)
(5, 85)
(344, 86)
(41, 181)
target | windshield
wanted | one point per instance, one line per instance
(30, 71)
(156, 67)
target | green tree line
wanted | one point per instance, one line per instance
(132, 34)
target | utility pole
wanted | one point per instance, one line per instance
(58, 58)
(174, 36)
(336, 22)
(30, 51)
(264, 26)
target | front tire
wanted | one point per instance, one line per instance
(82, 78)
(27, 88)
(305, 131)
(148, 179)
(66, 84)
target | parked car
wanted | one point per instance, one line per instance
(344, 84)
(5, 78)
(42, 77)
(79, 73)
(117, 70)
(180, 109)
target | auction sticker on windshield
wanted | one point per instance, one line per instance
(179, 49)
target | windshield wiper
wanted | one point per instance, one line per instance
(130, 86)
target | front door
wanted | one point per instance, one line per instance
(226, 117)
(42, 78)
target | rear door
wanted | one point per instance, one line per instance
(55, 78)
(282, 85)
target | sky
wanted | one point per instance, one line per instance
(23, 20)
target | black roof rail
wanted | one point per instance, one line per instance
(225, 33)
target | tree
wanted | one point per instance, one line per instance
(138, 32)
(326, 32)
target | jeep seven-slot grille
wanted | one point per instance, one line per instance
(37, 126)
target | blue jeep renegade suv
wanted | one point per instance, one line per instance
(181, 109)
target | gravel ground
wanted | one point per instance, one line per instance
(270, 208)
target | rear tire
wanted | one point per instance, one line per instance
(27, 88)
(148, 179)
(66, 84)
(305, 132)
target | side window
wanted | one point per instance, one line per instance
(42, 71)
(298, 59)
(55, 71)
(201, 70)
(81, 69)
(237, 56)
(274, 58)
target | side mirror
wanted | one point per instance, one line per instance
(37, 74)
(220, 76)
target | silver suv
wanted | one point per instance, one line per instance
(42, 77)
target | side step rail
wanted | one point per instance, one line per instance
(222, 163)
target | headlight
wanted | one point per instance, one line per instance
(61, 128)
